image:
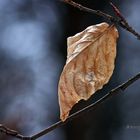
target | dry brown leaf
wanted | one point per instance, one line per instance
(89, 65)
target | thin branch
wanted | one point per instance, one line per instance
(119, 21)
(10, 132)
(117, 11)
(93, 106)
(124, 21)
(86, 9)
(88, 108)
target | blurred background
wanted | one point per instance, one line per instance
(33, 47)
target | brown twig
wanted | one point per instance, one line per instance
(88, 108)
(117, 11)
(86, 9)
(122, 22)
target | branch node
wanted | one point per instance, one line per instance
(120, 20)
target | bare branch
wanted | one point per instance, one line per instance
(10, 132)
(120, 20)
(124, 21)
(16, 134)
(88, 108)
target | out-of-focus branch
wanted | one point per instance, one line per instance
(10, 132)
(88, 108)
(119, 20)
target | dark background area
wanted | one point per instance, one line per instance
(33, 35)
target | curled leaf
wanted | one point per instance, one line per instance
(89, 65)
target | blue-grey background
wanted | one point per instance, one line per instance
(33, 37)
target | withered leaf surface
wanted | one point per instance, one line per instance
(89, 65)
